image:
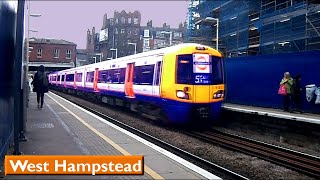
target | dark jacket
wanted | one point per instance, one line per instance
(40, 82)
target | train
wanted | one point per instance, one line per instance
(179, 84)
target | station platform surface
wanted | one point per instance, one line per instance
(278, 113)
(63, 128)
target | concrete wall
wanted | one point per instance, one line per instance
(254, 80)
(8, 18)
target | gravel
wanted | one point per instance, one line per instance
(248, 166)
(310, 146)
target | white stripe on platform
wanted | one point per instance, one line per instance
(272, 114)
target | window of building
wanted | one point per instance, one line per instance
(68, 54)
(123, 20)
(123, 31)
(143, 75)
(116, 31)
(39, 53)
(56, 53)
(146, 42)
(136, 32)
(116, 20)
(146, 33)
(135, 20)
(129, 20)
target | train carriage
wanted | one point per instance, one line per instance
(176, 84)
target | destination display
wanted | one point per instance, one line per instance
(202, 69)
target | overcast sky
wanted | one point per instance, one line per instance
(70, 20)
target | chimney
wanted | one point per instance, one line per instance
(105, 19)
(149, 23)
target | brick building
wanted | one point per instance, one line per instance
(124, 28)
(54, 54)
(116, 33)
(159, 37)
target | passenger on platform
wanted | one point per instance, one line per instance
(297, 89)
(40, 85)
(287, 98)
(30, 83)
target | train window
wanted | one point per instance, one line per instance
(59, 78)
(143, 75)
(186, 74)
(70, 77)
(62, 78)
(79, 77)
(103, 76)
(90, 76)
(158, 73)
(184, 69)
(116, 76)
(217, 70)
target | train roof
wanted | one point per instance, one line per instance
(139, 55)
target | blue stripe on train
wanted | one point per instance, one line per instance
(177, 112)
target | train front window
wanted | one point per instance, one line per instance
(199, 69)
(184, 70)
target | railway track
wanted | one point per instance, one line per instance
(300, 162)
(209, 166)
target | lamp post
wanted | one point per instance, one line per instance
(211, 20)
(168, 32)
(28, 33)
(135, 47)
(115, 49)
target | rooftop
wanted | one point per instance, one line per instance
(51, 41)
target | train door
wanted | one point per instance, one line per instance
(202, 72)
(157, 77)
(75, 80)
(64, 79)
(83, 80)
(95, 80)
(129, 81)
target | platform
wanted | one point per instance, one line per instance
(278, 113)
(63, 128)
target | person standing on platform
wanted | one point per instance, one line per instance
(40, 84)
(30, 83)
(287, 82)
(296, 97)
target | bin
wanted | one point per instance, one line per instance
(317, 92)
(310, 91)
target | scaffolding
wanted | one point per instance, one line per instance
(258, 27)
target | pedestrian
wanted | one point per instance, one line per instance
(40, 84)
(30, 83)
(287, 83)
(296, 96)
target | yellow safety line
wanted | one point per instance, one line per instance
(148, 170)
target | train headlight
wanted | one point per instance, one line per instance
(218, 94)
(182, 95)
